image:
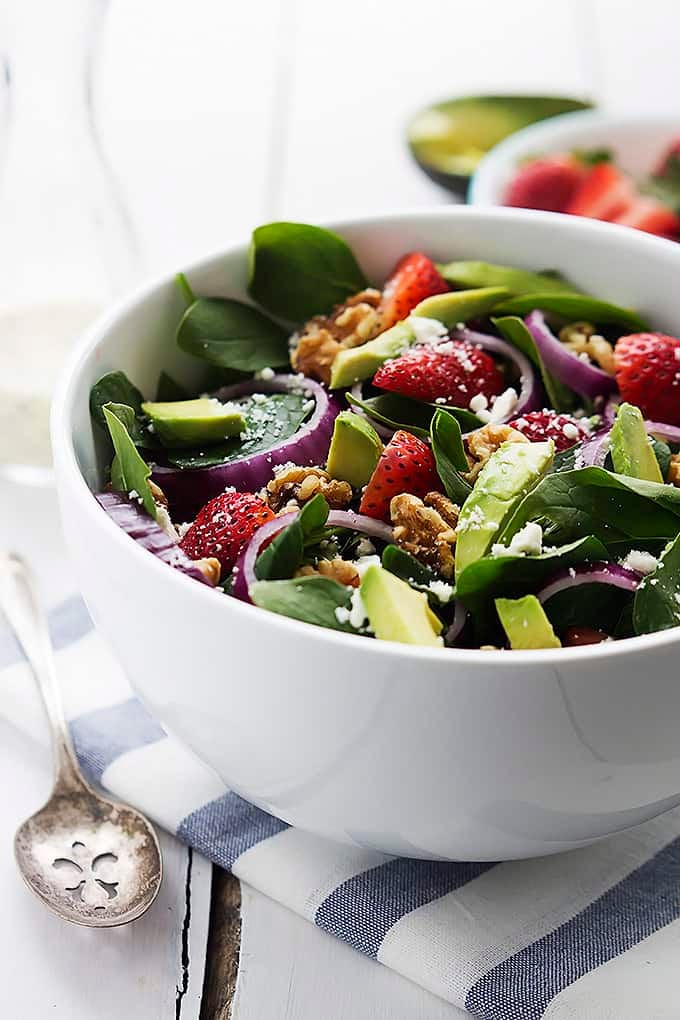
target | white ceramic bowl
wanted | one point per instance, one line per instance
(637, 142)
(421, 752)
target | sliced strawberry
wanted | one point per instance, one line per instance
(549, 184)
(648, 214)
(538, 426)
(406, 465)
(604, 193)
(224, 526)
(648, 374)
(452, 373)
(415, 277)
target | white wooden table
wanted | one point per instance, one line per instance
(218, 116)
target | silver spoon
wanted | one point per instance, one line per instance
(90, 860)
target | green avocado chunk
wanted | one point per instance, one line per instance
(630, 446)
(526, 624)
(517, 281)
(508, 475)
(396, 612)
(359, 363)
(187, 422)
(354, 450)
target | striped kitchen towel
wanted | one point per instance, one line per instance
(593, 933)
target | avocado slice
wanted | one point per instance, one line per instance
(187, 422)
(517, 281)
(508, 475)
(448, 139)
(359, 363)
(354, 450)
(396, 612)
(630, 446)
(525, 623)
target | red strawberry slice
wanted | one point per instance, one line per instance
(604, 193)
(224, 526)
(548, 184)
(452, 373)
(648, 374)
(406, 465)
(648, 214)
(414, 278)
(538, 426)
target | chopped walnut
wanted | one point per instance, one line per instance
(211, 569)
(323, 337)
(483, 442)
(673, 476)
(426, 529)
(294, 486)
(583, 338)
(337, 570)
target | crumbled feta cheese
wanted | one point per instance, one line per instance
(502, 407)
(425, 330)
(183, 528)
(642, 562)
(364, 562)
(441, 590)
(265, 373)
(133, 494)
(365, 547)
(527, 542)
(478, 403)
(357, 613)
(163, 518)
(341, 614)
(570, 430)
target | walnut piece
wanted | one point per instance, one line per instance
(211, 569)
(583, 338)
(323, 337)
(483, 442)
(426, 529)
(673, 476)
(337, 570)
(294, 486)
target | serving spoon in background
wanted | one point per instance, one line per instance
(89, 859)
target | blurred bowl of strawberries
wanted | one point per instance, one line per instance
(622, 169)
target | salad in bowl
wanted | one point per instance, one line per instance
(461, 454)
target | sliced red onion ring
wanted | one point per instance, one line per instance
(612, 574)
(135, 522)
(244, 572)
(529, 398)
(455, 629)
(190, 489)
(670, 433)
(580, 376)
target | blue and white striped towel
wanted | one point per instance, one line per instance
(594, 933)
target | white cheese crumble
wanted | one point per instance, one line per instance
(364, 562)
(365, 547)
(527, 542)
(427, 331)
(641, 561)
(441, 590)
(163, 518)
(356, 614)
(265, 373)
(478, 403)
(501, 408)
(570, 430)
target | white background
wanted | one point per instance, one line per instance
(217, 115)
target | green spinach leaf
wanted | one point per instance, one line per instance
(417, 575)
(415, 416)
(595, 501)
(657, 600)
(515, 332)
(168, 389)
(573, 307)
(517, 281)
(114, 388)
(267, 424)
(449, 455)
(129, 473)
(285, 553)
(233, 335)
(310, 599)
(589, 605)
(297, 270)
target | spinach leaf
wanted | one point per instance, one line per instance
(415, 416)
(517, 281)
(417, 575)
(591, 605)
(498, 576)
(565, 460)
(662, 452)
(129, 473)
(657, 600)
(310, 599)
(449, 455)
(267, 424)
(573, 307)
(114, 388)
(297, 270)
(515, 332)
(285, 553)
(595, 501)
(232, 335)
(168, 389)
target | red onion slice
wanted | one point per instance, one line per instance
(593, 451)
(612, 574)
(189, 489)
(135, 522)
(669, 433)
(455, 629)
(580, 376)
(244, 572)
